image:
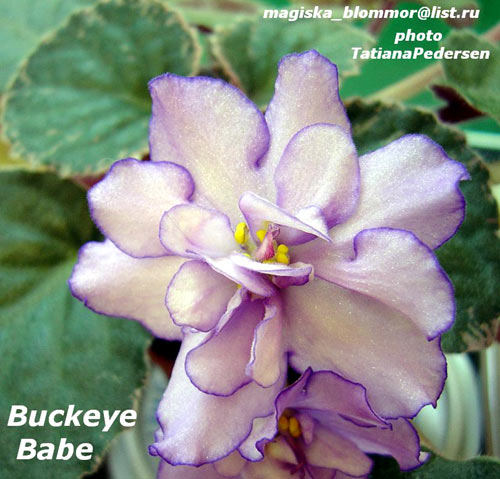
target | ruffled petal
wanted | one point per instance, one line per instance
(319, 167)
(293, 229)
(217, 365)
(397, 269)
(341, 475)
(212, 129)
(127, 205)
(264, 429)
(194, 231)
(401, 442)
(294, 270)
(322, 473)
(278, 463)
(166, 471)
(269, 468)
(342, 407)
(306, 92)
(199, 428)
(267, 346)
(230, 466)
(198, 296)
(253, 281)
(410, 184)
(372, 345)
(326, 395)
(307, 426)
(108, 281)
(332, 451)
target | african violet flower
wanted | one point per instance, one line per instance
(275, 240)
(322, 427)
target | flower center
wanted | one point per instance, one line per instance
(289, 425)
(267, 250)
(289, 429)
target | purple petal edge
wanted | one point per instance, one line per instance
(306, 377)
(84, 299)
(440, 270)
(337, 220)
(464, 177)
(262, 153)
(215, 333)
(330, 64)
(153, 451)
(270, 312)
(115, 164)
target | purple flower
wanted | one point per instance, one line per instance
(322, 427)
(268, 238)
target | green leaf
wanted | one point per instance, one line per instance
(7, 162)
(439, 468)
(81, 101)
(23, 23)
(210, 13)
(249, 51)
(476, 80)
(471, 257)
(54, 351)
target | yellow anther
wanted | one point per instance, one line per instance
(282, 248)
(283, 424)
(294, 427)
(261, 234)
(241, 233)
(282, 258)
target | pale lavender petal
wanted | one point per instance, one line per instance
(342, 407)
(293, 230)
(194, 231)
(128, 203)
(269, 468)
(410, 184)
(326, 394)
(278, 463)
(319, 167)
(396, 268)
(166, 471)
(341, 475)
(267, 346)
(217, 365)
(287, 281)
(280, 450)
(373, 345)
(275, 269)
(331, 450)
(322, 473)
(212, 129)
(198, 296)
(307, 424)
(253, 281)
(230, 466)
(305, 93)
(199, 428)
(241, 294)
(108, 281)
(401, 442)
(263, 430)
